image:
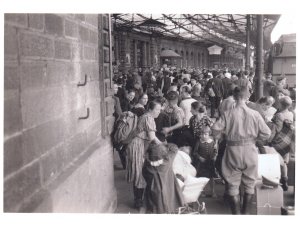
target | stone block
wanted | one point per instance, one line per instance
(97, 54)
(62, 155)
(40, 139)
(93, 91)
(77, 52)
(33, 75)
(91, 69)
(18, 19)
(106, 71)
(54, 24)
(21, 186)
(71, 29)
(13, 156)
(36, 46)
(72, 123)
(40, 106)
(11, 78)
(106, 55)
(76, 145)
(105, 38)
(105, 23)
(62, 50)
(89, 53)
(36, 21)
(10, 42)
(74, 98)
(12, 116)
(52, 164)
(108, 91)
(84, 33)
(94, 131)
(93, 37)
(59, 73)
(92, 19)
(94, 110)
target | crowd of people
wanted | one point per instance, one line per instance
(213, 112)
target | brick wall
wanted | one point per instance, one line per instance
(46, 56)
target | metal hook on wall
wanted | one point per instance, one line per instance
(87, 114)
(84, 83)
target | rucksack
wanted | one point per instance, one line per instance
(284, 140)
(125, 128)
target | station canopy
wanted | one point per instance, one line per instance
(208, 29)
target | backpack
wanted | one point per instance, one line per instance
(284, 140)
(125, 129)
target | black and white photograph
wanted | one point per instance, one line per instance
(131, 112)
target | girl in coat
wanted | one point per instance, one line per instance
(163, 194)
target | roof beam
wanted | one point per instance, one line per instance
(232, 34)
(174, 33)
(181, 26)
(234, 23)
(222, 40)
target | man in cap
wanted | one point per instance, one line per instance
(214, 89)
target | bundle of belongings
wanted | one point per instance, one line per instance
(185, 173)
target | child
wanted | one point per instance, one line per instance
(163, 194)
(205, 154)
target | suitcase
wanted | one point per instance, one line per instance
(268, 200)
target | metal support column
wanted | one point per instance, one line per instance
(144, 55)
(247, 67)
(135, 54)
(259, 56)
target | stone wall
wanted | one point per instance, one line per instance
(54, 161)
(193, 55)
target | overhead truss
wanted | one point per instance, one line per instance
(222, 29)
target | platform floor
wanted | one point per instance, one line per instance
(213, 205)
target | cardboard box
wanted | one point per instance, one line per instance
(268, 200)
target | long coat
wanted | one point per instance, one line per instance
(163, 194)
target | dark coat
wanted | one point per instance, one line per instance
(217, 86)
(117, 107)
(226, 86)
(163, 194)
(126, 105)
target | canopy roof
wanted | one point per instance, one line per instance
(209, 29)
(169, 54)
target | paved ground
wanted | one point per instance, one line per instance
(213, 205)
